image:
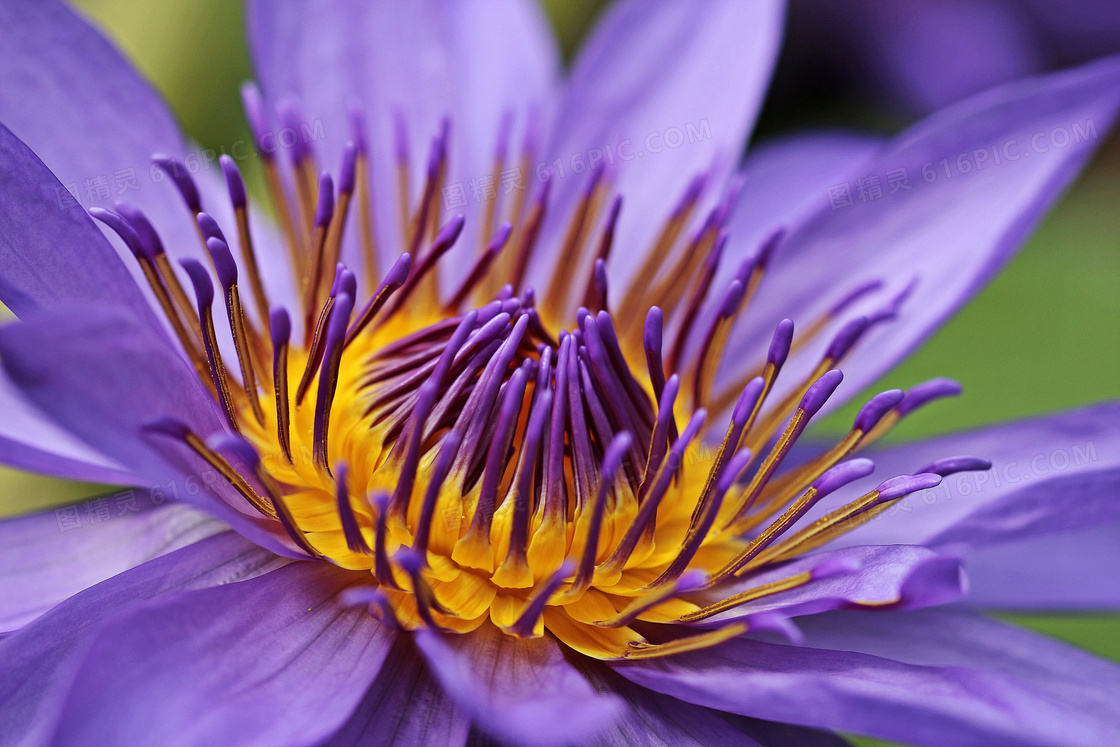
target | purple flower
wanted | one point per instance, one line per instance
(497, 433)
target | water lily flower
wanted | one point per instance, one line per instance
(496, 432)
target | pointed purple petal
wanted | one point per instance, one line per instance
(533, 697)
(272, 660)
(926, 676)
(40, 660)
(29, 440)
(404, 706)
(50, 556)
(650, 715)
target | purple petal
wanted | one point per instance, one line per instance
(404, 706)
(102, 376)
(50, 556)
(521, 691)
(31, 441)
(40, 660)
(893, 576)
(1050, 474)
(51, 254)
(949, 232)
(273, 660)
(651, 718)
(927, 677)
(473, 62)
(673, 89)
(1074, 570)
(910, 55)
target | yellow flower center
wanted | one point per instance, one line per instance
(499, 455)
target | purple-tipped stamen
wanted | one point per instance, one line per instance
(952, 465)
(926, 392)
(878, 406)
(178, 173)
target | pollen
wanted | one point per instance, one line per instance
(552, 462)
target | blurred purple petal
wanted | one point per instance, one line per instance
(521, 691)
(272, 660)
(47, 557)
(646, 74)
(927, 676)
(39, 661)
(916, 235)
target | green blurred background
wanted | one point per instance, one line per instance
(1042, 337)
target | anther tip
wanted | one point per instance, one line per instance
(652, 335)
(347, 282)
(399, 271)
(896, 487)
(253, 104)
(952, 465)
(780, 344)
(847, 337)
(234, 182)
(357, 117)
(291, 115)
(209, 226)
(149, 238)
(501, 236)
(325, 208)
(450, 231)
(748, 400)
(878, 406)
(615, 453)
(340, 319)
(732, 299)
(179, 174)
(840, 475)
(121, 227)
(927, 391)
(223, 262)
(200, 279)
(820, 391)
(769, 245)
(346, 175)
(280, 324)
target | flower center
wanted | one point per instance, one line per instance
(495, 454)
